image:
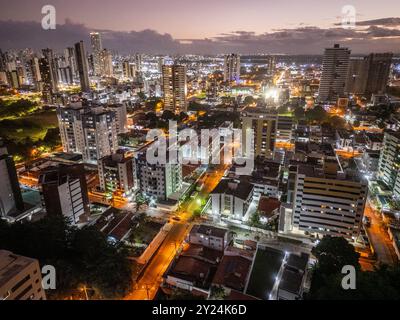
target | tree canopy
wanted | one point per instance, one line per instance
(80, 256)
(333, 253)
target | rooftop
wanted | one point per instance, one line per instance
(209, 231)
(267, 206)
(241, 190)
(233, 272)
(192, 269)
(11, 265)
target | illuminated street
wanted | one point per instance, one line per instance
(379, 238)
(149, 283)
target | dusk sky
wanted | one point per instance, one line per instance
(283, 26)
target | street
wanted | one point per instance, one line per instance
(149, 283)
(379, 238)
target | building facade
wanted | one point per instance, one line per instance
(116, 173)
(10, 193)
(82, 65)
(264, 125)
(174, 88)
(325, 204)
(232, 68)
(90, 132)
(64, 191)
(231, 199)
(334, 74)
(20, 278)
(157, 181)
(389, 162)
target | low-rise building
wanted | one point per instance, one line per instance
(232, 199)
(294, 275)
(210, 237)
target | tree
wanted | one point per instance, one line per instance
(337, 122)
(249, 100)
(218, 293)
(333, 253)
(299, 113)
(184, 296)
(255, 219)
(317, 114)
(80, 256)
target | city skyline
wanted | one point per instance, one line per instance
(258, 27)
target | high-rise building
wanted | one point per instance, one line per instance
(116, 173)
(2, 61)
(129, 70)
(369, 75)
(35, 71)
(389, 162)
(20, 278)
(334, 73)
(326, 203)
(159, 181)
(264, 125)
(10, 193)
(48, 75)
(232, 68)
(90, 132)
(64, 191)
(138, 62)
(106, 63)
(97, 48)
(82, 65)
(70, 57)
(174, 88)
(378, 72)
(357, 77)
(121, 119)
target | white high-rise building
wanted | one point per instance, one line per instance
(326, 204)
(232, 68)
(97, 48)
(334, 73)
(389, 162)
(159, 181)
(92, 133)
(116, 173)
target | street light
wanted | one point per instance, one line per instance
(84, 289)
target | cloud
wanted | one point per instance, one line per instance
(389, 22)
(301, 40)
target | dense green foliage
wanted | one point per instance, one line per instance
(335, 253)
(17, 108)
(80, 256)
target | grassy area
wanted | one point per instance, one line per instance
(33, 126)
(266, 268)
